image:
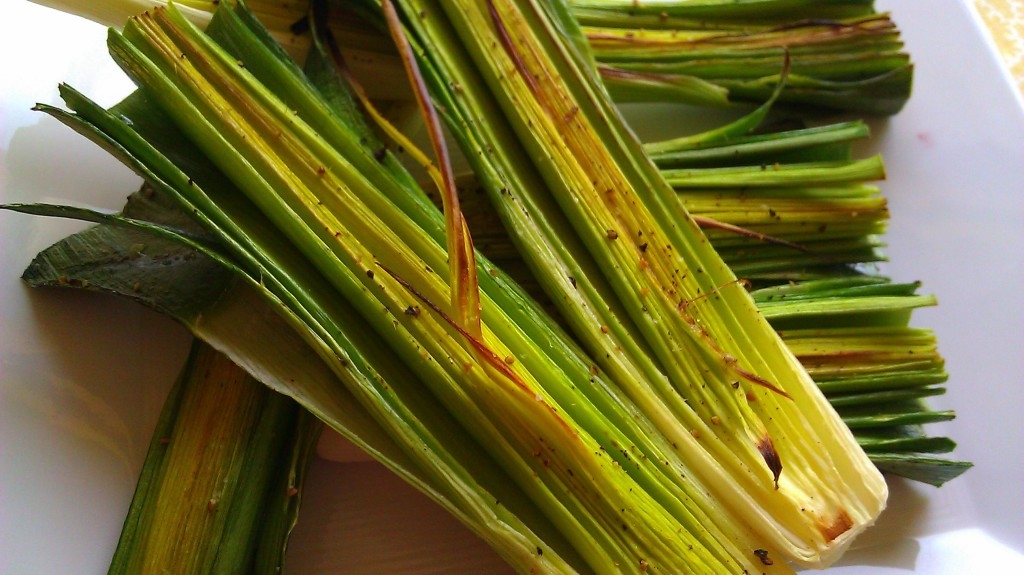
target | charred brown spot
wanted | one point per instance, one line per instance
(839, 525)
(756, 379)
(762, 554)
(766, 447)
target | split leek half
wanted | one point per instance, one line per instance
(680, 335)
(815, 348)
(575, 447)
(833, 226)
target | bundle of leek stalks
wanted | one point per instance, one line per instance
(844, 55)
(651, 420)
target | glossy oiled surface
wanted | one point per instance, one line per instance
(82, 376)
(955, 163)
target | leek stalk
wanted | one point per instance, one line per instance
(145, 49)
(851, 63)
(220, 488)
(437, 294)
(620, 206)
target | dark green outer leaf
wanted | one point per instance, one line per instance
(931, 470)
(281, 512)
(226, 313)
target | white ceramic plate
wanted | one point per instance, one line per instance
(82, 376)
